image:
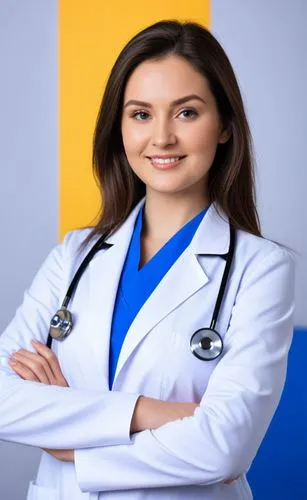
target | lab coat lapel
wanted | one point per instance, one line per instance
(184, 278)
(104, 275)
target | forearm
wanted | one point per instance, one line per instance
(48, 416)
(151, 413)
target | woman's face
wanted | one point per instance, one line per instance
(158, 126)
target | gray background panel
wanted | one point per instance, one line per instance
(28, 176)
(266, 43)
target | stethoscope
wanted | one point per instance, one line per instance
(206, 343)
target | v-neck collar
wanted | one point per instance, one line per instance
(177, 240)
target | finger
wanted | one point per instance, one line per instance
(33, 364)
(50, 356)
(36, 364)
(21, 370)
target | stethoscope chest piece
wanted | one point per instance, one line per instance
(61, 324)
(206, 344)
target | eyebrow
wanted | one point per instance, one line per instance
(174, 103)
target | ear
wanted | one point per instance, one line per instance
(225, 136)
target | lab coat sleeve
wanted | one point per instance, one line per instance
(49, 416)
(222, 437)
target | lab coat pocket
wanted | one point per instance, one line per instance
(36, 492)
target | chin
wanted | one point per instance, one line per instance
(166, 188)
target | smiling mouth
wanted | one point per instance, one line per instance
(165, 157)
(164, 163)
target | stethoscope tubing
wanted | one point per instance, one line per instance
(229, 260)
(206, 343)
(99, 245)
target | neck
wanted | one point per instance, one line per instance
(165, 214)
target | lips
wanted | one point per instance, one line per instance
(166, 163)
(164, 157)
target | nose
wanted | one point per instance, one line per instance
(163, 134)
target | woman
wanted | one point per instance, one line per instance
(132, 404)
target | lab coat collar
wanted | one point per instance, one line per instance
(211, 237)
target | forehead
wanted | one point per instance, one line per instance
(168, 78)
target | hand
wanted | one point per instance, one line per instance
(150, 413)
(63, 455)
(42, 366)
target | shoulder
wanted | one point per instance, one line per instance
(259, 247)
(257, 255)
(71, 246)
(65, 256)
(73, 239)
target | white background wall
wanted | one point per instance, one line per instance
(265, 41)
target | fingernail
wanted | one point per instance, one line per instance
(12, 362)
(34, 341)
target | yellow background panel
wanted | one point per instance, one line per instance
(91, 35)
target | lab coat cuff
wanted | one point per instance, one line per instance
(83, 468)
(121, 425)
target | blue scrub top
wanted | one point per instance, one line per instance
(136, 285)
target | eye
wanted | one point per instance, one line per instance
(140, 115)
(194, 113)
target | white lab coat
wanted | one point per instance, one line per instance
(238, 392)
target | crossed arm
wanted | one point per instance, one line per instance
(43, 367)
(237, 406)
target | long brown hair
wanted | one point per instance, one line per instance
(231, 182)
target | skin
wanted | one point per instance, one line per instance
(43, 367)
(173, 197)
(193, 128)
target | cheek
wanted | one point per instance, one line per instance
(204, 139)
(133, 139)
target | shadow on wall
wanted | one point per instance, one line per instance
(279, 471)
